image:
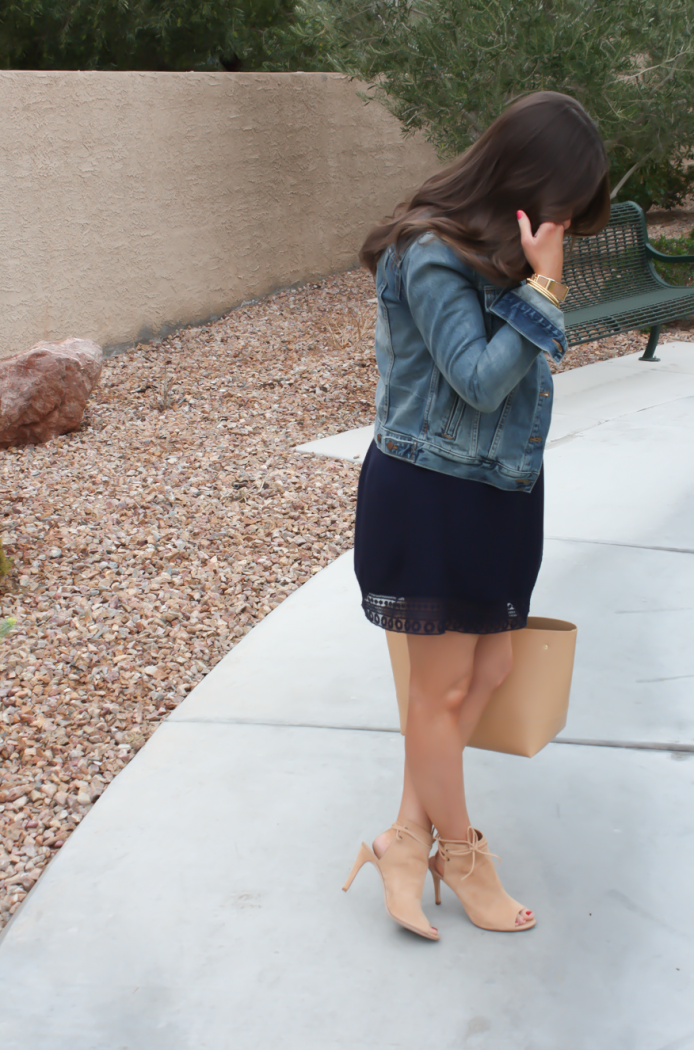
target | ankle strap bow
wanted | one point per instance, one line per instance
(470, 846)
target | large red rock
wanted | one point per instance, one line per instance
(44, 390)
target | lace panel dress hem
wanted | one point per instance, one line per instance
(430, 616)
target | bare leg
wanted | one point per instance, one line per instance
(411, 809)
(491, 663)
(452, 678)
(441, 672)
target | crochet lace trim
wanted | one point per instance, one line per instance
(438, 615)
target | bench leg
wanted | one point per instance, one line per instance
(648, 354)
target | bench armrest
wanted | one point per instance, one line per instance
(653, 253)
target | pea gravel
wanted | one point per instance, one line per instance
(146, 544)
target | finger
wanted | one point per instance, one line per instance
(550, 229)
(526, 229)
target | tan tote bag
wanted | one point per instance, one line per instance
(529, 708)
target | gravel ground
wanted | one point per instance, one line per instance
(146, 544)
(675, 223)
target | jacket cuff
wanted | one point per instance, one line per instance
(535, 317)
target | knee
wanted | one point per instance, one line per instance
(448, 698)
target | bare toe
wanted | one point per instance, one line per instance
(523, 916)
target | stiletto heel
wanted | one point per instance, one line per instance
(363, 857)
(403, 871)
(468, 869)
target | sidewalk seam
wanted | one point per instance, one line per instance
(577, 741)
(616, 543)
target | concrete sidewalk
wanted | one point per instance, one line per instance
(198, 905)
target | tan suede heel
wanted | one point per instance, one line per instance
(403, 870)
(468, 869)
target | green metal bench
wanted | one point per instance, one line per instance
(613, 284)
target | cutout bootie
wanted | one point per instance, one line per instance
(468, 869)
(403, 870)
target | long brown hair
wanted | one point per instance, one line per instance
(543, 155)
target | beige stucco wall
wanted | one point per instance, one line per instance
(130, 202)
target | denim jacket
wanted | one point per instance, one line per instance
(464, 388)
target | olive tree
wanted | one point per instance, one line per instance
(449, 67)
(141, 34)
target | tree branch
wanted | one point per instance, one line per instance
(642, 72)
(635, 167)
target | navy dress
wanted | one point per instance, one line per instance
(435, 553)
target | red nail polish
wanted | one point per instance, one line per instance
(519, 214)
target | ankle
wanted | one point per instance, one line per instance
(453, 833)
(419, 819)
(425, 826)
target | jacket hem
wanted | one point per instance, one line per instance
(489, 472)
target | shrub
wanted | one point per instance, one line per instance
(676, 273)
(139, 34)
(449, 67)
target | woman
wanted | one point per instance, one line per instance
(450, 505)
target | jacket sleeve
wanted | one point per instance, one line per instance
(445, 307)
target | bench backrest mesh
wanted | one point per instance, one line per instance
(611, 265)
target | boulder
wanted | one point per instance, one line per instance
(44, 390)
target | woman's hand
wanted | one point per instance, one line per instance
(544, 250)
